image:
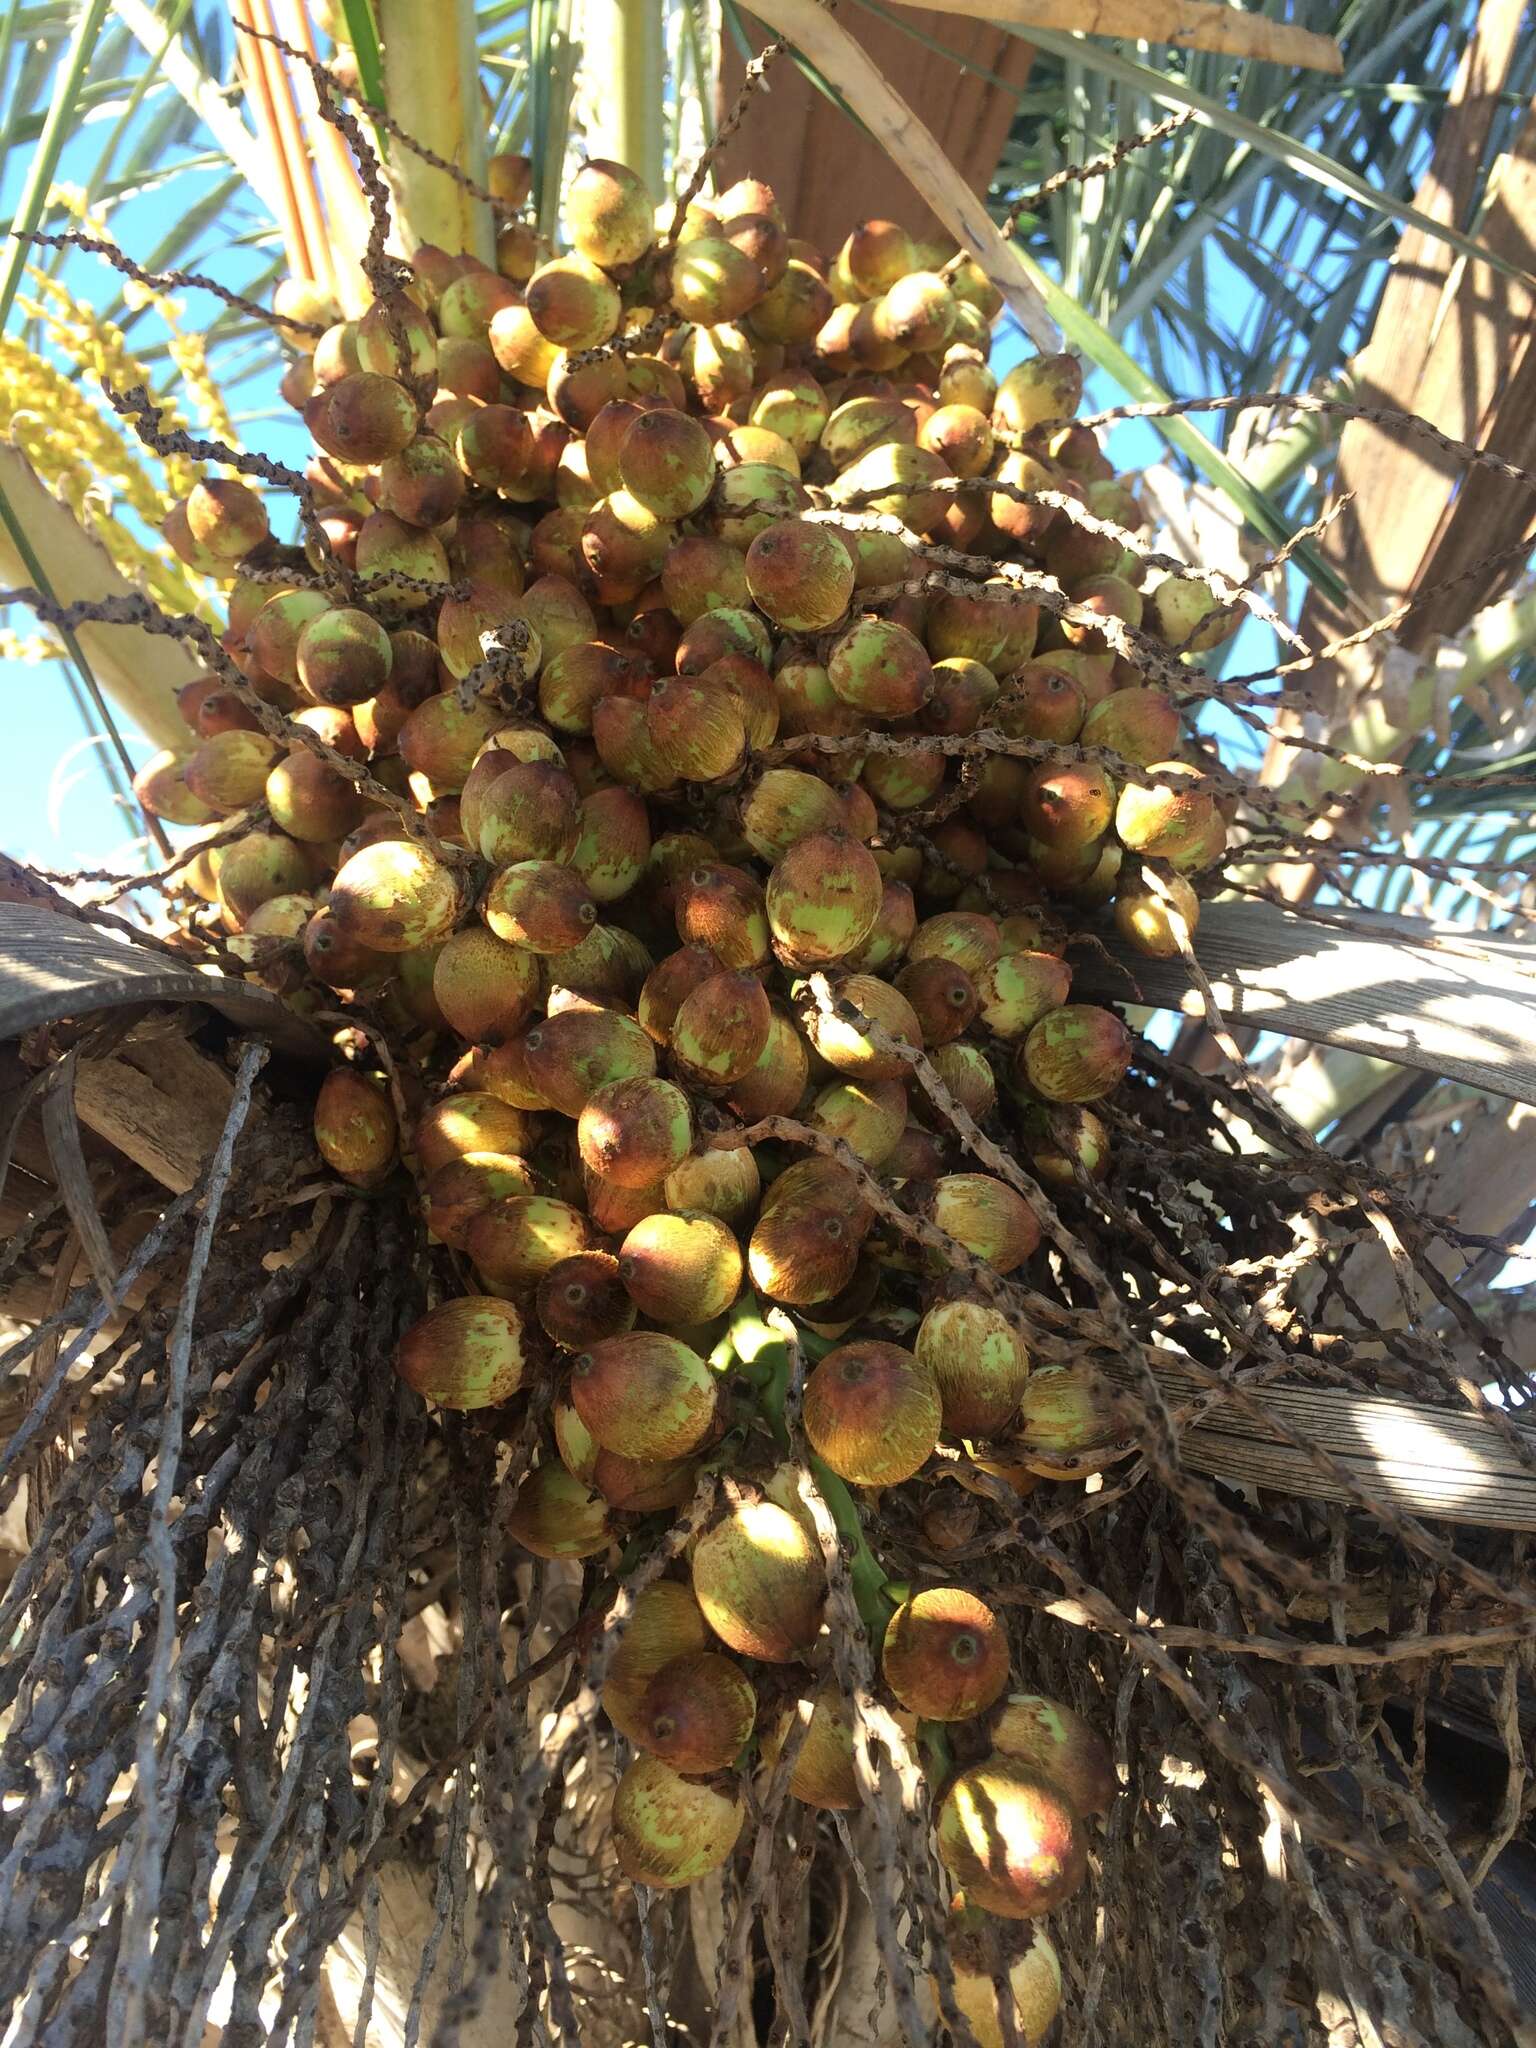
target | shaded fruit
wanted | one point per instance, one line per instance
(942, 997)
(825, 1771)
(229, 770)
(823, 898)
(1059, 1746)
(668, 1830)
(665, 1624)
(721, 1029)
(355, 1127)
(698, 1713)
(667, 462)
(724, 1183)
(573, 1053)
(529, 812)
(872, 1412)
(572, 303)
(1076, 1054)
(800, 575)
(485, 988)
(1067, 1410)
(1172, 819)
(698, 728)
(759, 1582)
(784, 805)
(514, 1243)
(979, 1946)
(635, 1131)
(643, 1486)
(469, 1120)
(979, 1362)
(161, 787)
(582, 1300)
(843, 1044)
(1018, 989)
(466, 1353)
(945, 1654)
(541, 905)
(457, 1191)
(1138, 724)
(1010, 1840)
(644, 1395)
(869, 1116)
(986, 1216)
(556, 1515)
(1142, 914)
(1068, 803)
(681, 1267)
(612, 844)
(310, 800)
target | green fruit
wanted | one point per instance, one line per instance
(1058, 1746)
(394, 896)
(1076, 1054)
(555, 1515)
(980, 1363)
(987, 1217)
(670, 1831)
(881, 669)
(759, 1582)
(823, 898)
(466, 1353)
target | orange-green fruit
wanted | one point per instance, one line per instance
(668, 984)
(1070, 1139)
(875, 256)
(783, 806)
(572, 303)
(901, 481)
(670, 1831)
(713, 280)
(961, 436)
(823, 898)
(904, 782)
(872, 1412)
(700, 575)
(726, 1184)
(794, 407)
(394, 896)
(644, 1486)
(466, 1353)
(362, 418)
(800, 575)
(1010, 1840)
(667, 463)
(945, 1654)
(578, 1453)
(355, 1127)
(751, 496)
(161, 787)
(698, 1713)
(1059, 1746)
(343, 656)
(469, 1120)
(795, 309)
(1076, 1054)
(485, 988)
(869, 1117)
(439, 741)
(1066, 1410)
(803, 1253)
(226, 517)
(1018, 989)
(980, 1363)
(581, 1300)
(824, 1773)
(775, 1083)
(1033, 1975)
(400, 559)
(644, 1395)
(1172, 819)
(541, 905)
(1039, 389)
(880, 669)
(759, 1582)
(697, 728)
(573, 1053)
(230, 769)
(634, 1132)
(1068, 804)
(681, 1267)
(969, 938)
(665, 1624)
(579, 677)
(967, 1074)
(861, 424)
(1179, 611)
(556, 1515)
(994, 625)
(966, 380)
(514, 1243)
(1040, 703)
(395, 338)
(1142, 915)
(720, 1029)
(612, 843)
(423, 484)
(851, 1050)
(457, 1191)
(1140, 725)
(310, 800)
(530, 812)
(891, 933)
(609, 214)
(987, 1217)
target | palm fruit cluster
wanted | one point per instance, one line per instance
(597, 737)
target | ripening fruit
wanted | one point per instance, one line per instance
(942, 995)
(1140, 725)
(362, 418)
(698, 728)
(468, 1121)
(724, 1183)
(823, 898)
(786, 804)
(1059, 1746)
(681, 1267)
(869, 1116)
(225, 517)
(485, 988)
(800, 575)
(572, 1053)
(1173, 819)
(1068, 804)
(541, 905)
(721, 1029)
(979, 1362)
(556, 1515)
(759, 1582)
(1018, 989)
(644, 1395)
(667, 462)
(466, 1353)
(1039, 389)
(1142, 914)
(1179, 611)
(582, 1300)
(572, 303)
(978, 1945)
(355, 1127)
(802, 1253)
(668, 1830)
(881, 669)
(310, 800)
(698, 1713)
(529, 812)
(872, 1412)
(343, 656)
(825, 1772)
(634, 1132)
(230, 769)
(713, 281)
(945, 1654)
(961, 436)
(457, 1191)
(987, 1217)
(608, 213)
(1010, 1841)
(850, 1049)
(395, 897)
(1067, 1410)
(643, 1486)
(1078, 1053)
(161, 787)
(514, 1243)
(664, 1625)
(1040, 703)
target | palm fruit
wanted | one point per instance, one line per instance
(750, 497)
(700, 575)
(942, 997)
(681, 1268)
(573, 1053)
(880, 669)
(979, 1362)
(872, 1412)
(1077, 1053)
(529, 812)
(225, 518)
(362, 417)
(457, 1191)
(666, 462)
(1172, 819)
(670, 1831)
(635, 1131)
(1179, 611)
(573, 303)
(775, 1083)
(987, 1217)
(851, 1050)
(784, 805)
(644, 1486)
(720, 1029)
(404, 564)
(1139, 725)
(1142, 914)
(825, 1773)
(822, 899)
(469, 1120)
(556, 1515)
(540, 905)
(644, 1395)
(1018, 989)
(945, 1654)
(800, 575)
(343, 656)
(308, 799)
(869, 1117)
(1048, 1738)
(698, 1713)
(466, 1353)
(161, 787)
(582, 1300)
(665, 1624)
(1040, 388)
(1065, 1411)
(608, 213)
(966, 1075)
(713, 281)
(1010, 1841)
(514, 1243)
(1024, 1957)
(1039, 703)
(759, 1582)
(725, 1183)
(355, 1127)
(1068, 804)
(961, 436)
(395, 897)
(696, 727)
(724, 908)
(229, 770)
(485, 988)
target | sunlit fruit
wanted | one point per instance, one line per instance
(945, 1654)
